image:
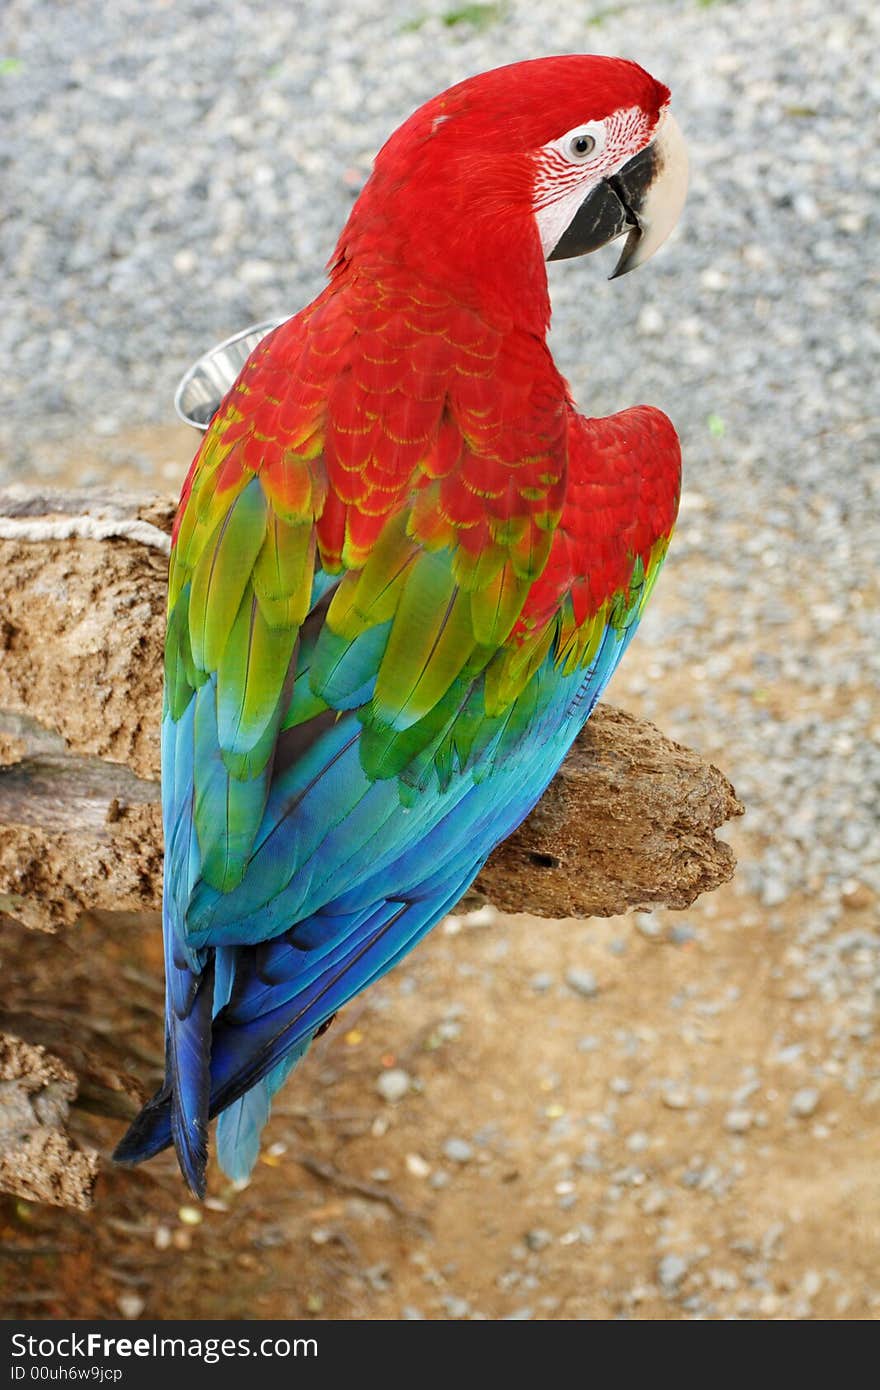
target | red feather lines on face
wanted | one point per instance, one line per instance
(628, 131)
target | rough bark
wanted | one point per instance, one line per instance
(38, 1160)
(629, 821)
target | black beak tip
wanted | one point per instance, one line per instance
(625, 260)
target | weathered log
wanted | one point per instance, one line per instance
(629, 821)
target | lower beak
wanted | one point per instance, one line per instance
(643, 199)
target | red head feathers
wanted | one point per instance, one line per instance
(487, 177)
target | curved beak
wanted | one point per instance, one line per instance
(644, 199)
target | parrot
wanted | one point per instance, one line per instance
(403, 569)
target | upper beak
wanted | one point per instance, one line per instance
(643, 199)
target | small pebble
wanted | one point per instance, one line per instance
(681, 933)
(856, 896)
(456, 1307)
(671, 1270)
(650, 322)
(676, 1098)
(648, 925)
(583, 982)
(130, 1305)
(485, 916)
(539, 1238)
(738, 1121)
(458, 1151)
(812, 1283)
(805, 1102)
(392, 1085)
(655, 1201)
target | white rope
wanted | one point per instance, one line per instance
(86, 528)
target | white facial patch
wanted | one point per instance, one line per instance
(564, 176)
(553, 218)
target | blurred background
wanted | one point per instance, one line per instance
(695, 1136)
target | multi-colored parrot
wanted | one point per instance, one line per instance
(403, 569)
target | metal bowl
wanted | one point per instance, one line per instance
(205, 384)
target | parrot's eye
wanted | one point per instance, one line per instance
(581, 146)
(584, 143)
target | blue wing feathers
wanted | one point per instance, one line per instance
(344, 875)
(241, 1124)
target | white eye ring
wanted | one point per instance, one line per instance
(581, 146)
(583, 143)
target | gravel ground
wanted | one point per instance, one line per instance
(171, 173)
